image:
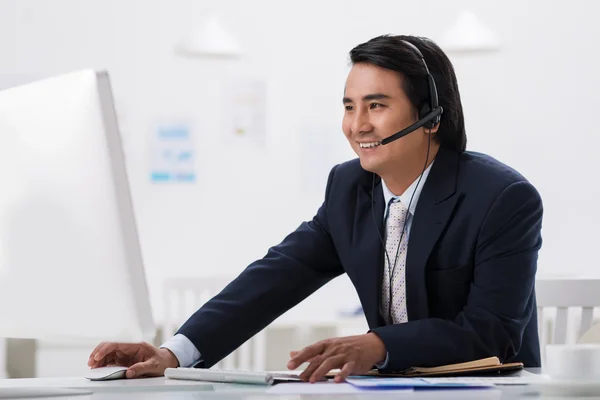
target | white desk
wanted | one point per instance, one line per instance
(162, 388)
(120, 385)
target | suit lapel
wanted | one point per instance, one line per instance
(434, 209)
(367, 232)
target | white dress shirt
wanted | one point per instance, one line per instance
(404, 198)
(188, 355)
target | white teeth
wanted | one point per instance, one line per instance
(369, 145)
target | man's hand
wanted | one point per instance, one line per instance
(143, 359)
(352, 354)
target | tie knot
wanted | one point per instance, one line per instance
(398, 212)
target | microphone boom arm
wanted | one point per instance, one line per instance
(428, 117)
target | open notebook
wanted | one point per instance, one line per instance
(485, 366)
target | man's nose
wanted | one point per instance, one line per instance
(361, 123)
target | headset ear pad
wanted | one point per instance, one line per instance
(425, 109)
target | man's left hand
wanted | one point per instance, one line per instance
(352, 354)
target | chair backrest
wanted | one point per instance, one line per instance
(592, 336)
(183, 296)
(566, 296)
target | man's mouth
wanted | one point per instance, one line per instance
(369, 145)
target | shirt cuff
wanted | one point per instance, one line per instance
(384, 364)
(186, 353)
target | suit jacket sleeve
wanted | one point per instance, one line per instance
(501, 297)
(303, 262)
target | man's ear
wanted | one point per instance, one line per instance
(425, 109)
(433, 130)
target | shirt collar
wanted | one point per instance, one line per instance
(408, 193)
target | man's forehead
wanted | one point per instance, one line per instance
(364, 79)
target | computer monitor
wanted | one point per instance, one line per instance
(70, 260)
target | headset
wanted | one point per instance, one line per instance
(430, 115)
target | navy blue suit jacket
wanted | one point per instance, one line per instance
(470, 268)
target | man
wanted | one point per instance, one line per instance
(441, 244)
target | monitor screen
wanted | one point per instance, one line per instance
(70, 261)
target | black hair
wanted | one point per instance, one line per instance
(391, 53)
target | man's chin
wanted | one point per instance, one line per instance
(369, 165)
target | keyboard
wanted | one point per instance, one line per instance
(225, 376)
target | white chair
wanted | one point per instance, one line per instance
(573, 299)
(592, 336)
(183, 296)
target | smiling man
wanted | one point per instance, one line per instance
(440, 243)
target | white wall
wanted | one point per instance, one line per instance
(532, 105)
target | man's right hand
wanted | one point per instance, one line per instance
(142, 359)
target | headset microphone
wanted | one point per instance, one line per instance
(423, 121)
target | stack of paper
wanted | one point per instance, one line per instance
(357, 385)
(412, 383)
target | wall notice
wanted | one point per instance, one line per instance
(172, 158)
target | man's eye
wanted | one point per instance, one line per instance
(376, 105)
(348, 108)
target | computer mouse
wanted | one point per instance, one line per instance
(106, 373)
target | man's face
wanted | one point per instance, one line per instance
(376, 107)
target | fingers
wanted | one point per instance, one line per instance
(346, 371)
(121, 359)
(119, 355)
(91, 361)
(294, 353)
(107, 353)
(146, 368)
(103, 353)
(99, 364)
(307, 373)
(326, 366)
(104, 350)
(306, 354)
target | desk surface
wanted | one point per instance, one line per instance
(162, 388)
